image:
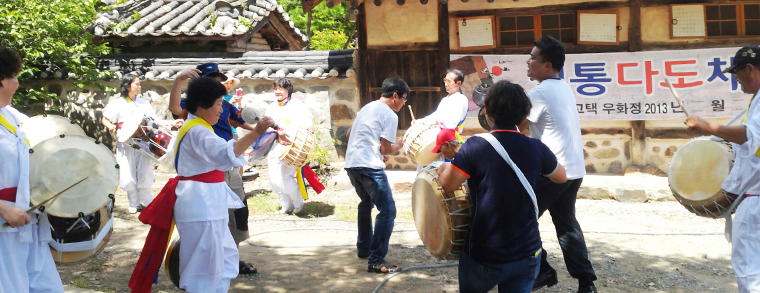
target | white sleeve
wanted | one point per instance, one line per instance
(111, 112)
(753, 127)
(538, 105)
(390, 126)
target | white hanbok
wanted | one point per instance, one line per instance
(208, 254)
(290, 117)
(135, 169)
(745, 230)
(26, 264)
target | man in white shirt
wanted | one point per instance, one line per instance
(744, 178)
(372, 135)
(453, 107)
(554, 120)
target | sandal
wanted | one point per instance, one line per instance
(383, 268)
(247, 269)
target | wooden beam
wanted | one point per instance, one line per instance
(283, 29)
(361, 27)
(700, 44)
(571, 49)
(434, 89)
(444, 47)
(549, 9)
(634, 27)
(638, 143)
(421, 46)
(308, 5)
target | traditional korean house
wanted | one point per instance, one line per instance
(619, 54)
(255, 40)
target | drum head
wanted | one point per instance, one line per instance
(171, 262)
(78, 257)
(430, 216)
(698, 169)
(39, 128)
(59, 162)
(425, 157)
(130, 124)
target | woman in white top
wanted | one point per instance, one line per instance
(136, 170)
(26, 264)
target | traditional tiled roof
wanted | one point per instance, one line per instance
(188, 18)
(250, 65)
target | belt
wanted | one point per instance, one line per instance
(750, 195)
(214, 176)
(8, 194)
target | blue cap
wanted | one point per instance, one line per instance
(211, 69)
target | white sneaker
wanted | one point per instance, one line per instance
(282, 211)
(132, 210)
(297, 210)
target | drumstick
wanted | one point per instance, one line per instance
(673, 90)
(34, 208)
(410, 112)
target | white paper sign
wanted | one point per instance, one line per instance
(476, 32)
(629, 85)
(688, 20)
(599, 28)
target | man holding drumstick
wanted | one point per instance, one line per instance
(744, 178)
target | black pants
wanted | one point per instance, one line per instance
(559, 200)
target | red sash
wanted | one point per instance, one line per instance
(8, 194)
(158, 214)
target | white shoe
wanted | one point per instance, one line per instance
(297, 210)
(282, 211)
(132, 210)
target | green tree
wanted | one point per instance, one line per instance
(330, 27)
(50, 34)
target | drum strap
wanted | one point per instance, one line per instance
(500, 149)
(11, 128)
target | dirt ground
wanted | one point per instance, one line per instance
(648, 247)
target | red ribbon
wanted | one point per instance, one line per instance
(8, 194)
(158, 214)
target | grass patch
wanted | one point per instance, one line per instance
(81, 282)
(95, 264)
(265, 202)
(314, 209)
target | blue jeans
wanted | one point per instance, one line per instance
(373, 189)
(516, 276)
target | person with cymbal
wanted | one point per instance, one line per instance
(26, 264)
(136, 170)
(199, 196)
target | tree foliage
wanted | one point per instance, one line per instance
(330, 27)
(50, 34)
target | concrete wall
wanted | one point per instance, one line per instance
(391, 24)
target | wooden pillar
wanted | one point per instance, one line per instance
(361, 24)
(634, 27)
(638, 143)
(443, 38)
(638, 127)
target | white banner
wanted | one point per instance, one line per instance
(628, 85)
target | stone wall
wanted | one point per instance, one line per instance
(332, 102)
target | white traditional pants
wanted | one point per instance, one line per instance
(135, 174)
(745, 249)
(283, 181)
(27, 266)
(208, 257)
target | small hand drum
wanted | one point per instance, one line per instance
(696, 174)
(442, 219)
(298, 153)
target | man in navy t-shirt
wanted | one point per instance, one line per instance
(502, 245)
